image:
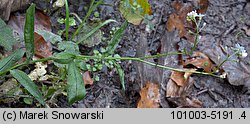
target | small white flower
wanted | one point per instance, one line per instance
(193, 14)
(241, 50)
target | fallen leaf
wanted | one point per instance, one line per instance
(203, 5)
(135, 16)
(180, 78)
(43, 49)
(177, 20)
(150, 96)
(173, 90)
(42, 22)
(200, 61)
(87, 78)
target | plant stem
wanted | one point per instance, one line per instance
(228, 57)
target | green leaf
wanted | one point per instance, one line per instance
(49, 36)
(75, 84)
(69, 46)
(28, 84)
(116, 39)
(67, 19)
(94, 39)
(6, 37)
(64, 57)
(135, 10)
(10, 61)
(29, 32)
(94, 30)
(121, 74)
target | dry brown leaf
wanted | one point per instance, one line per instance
(42, 22)
(203, 5)
(87, 78)
(43, 49)
(173, 90)
(180, 78)
(150, 96)
(201, 61)
(178, 20)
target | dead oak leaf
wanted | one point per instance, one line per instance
(150, 96)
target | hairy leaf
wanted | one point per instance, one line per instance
(75, 84)
(29, 32)
(116, 39)
(28, 84)
(6, 37)
(10, 61)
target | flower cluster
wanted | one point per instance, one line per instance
(241, 52)
(192, 15)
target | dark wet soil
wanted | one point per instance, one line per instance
(225, 19)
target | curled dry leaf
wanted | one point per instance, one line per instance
(200, 61)
(87, 78)
(180, 78)
(150, 96)
(43, 49)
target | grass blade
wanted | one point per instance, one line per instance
(116, 39)
(67, 20)
(28, 84)
(29, 32)
(121, 74)
(10, 61)
(75, 84)
(94, 30)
